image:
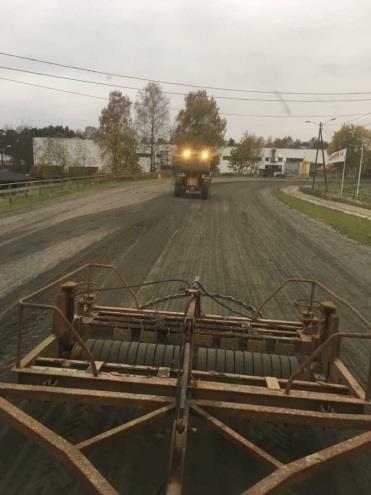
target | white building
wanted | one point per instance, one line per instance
(163, 156)
(67, 152)
(281, 160)
(6, 160)
(86, 153)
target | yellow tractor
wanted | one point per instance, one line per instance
(192, 172)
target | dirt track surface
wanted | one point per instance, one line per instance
(241, 242)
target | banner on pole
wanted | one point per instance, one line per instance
(337, 157)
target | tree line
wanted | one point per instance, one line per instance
(123, 125)
(352, 137)
(199, 124)
(285, 142)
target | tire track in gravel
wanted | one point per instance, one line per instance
(19, 223)
(341, 264)
(28, 267)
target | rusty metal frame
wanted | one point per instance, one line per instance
(186, 392)
(314, 284)
(87, 267)
(25, 303)
(69, 455)
(55, 310)
(283, 475)
(302, 469)
(334, 338)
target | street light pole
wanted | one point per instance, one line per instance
(343, 176)
(315, 165)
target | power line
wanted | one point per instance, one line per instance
(73, 79)
(234, 98)
(362, 116)
(356, 117)
(190, 85)
(178, 109)
(54, 89)
(295, 116)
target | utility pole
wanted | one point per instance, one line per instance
(359, 172)
(343, 176)
(320, 143)
(154, 159)
(152, 166)
(323, 157)
(2, 144)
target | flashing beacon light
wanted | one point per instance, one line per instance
(205, 154)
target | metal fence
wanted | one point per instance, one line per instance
(11, 189)
(349, 193)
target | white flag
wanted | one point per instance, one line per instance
(338, 156)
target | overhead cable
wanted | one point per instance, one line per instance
(226, 114)
(234, 98)
(174, 83)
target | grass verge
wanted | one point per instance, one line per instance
(358, 229)
(336, 197)
(34, 197)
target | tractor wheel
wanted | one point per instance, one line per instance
(205, 186)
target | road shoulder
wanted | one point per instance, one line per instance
(354, 227)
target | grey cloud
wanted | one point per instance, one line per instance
(309, 45)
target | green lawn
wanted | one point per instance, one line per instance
(358, 229)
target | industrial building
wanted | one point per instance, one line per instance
(288, 161)
(70, 152)
(67, 152)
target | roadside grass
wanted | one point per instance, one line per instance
(348, 196)
(38, 196)
(358, 229)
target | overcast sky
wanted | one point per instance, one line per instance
(266, 45)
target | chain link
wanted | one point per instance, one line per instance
(169, 297)
(216, 295)
(248, 307)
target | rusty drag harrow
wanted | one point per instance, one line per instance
(186, 364)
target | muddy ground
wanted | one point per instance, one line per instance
(241, 242)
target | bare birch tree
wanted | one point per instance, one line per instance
(152, 116)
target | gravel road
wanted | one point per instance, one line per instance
(241, 242)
